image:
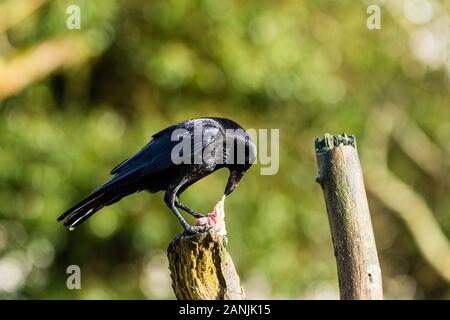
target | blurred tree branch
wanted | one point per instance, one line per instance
(13, 12)
(418, 146)
(39, 61)
(397, 195)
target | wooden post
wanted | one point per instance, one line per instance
(202, 269)
(340, 176)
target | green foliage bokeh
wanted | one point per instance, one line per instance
(302, 67)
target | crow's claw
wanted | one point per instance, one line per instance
(194, 230)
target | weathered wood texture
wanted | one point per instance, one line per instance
(202, 269)
(340, 176)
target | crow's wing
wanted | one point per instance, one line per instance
(157, 154)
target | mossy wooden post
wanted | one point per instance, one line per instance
(202, 269)
(340, 176)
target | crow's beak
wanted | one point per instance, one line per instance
(233, 180)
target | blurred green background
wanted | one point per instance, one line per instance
(74, 103)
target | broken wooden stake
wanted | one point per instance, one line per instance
(340, 176)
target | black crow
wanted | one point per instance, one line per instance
(174, 159)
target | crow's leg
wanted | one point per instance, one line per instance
(184, 207)
(170, 198)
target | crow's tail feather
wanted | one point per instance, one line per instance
(103, 196)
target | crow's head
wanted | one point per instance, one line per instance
(243, 158)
